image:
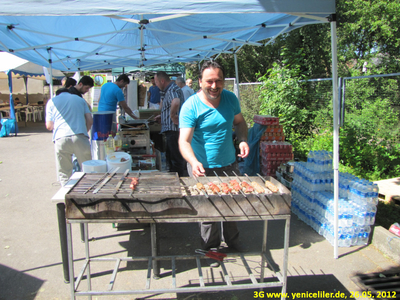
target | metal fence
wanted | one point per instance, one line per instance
(322, 95)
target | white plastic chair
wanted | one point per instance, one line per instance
(30, 114)
(37, 114)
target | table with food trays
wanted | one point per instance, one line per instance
(159, 197)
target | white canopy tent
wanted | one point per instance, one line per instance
(82, 35)
(12, 66)
(22, 68)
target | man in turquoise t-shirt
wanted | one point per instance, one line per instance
(206, 143)
(111, 94)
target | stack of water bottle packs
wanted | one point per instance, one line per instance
(313, 203)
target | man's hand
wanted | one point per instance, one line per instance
(197, 169)
(158, 119)
(244, 149)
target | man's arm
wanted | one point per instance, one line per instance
(185, 139)
(50, 125)
(89, 121)
(126, 108)
(173, 113)
(241, 132)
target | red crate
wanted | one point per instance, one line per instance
(266, 120)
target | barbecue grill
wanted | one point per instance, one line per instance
(97, 194)
(165, 198)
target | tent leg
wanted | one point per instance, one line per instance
(51, 73)
(237, 77)
(335, 132)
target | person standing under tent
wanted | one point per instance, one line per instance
(83, 86)
(153, 95)
(189, 83)
(69, 117)
(187, 91)
(205, 141)
(111, 95)
(69, 82)
(171, 106)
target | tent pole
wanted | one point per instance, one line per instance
(237, 77)
(51, 73)
(12, 109)
(335, 132)
(26, 89)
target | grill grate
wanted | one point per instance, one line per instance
(383, 285)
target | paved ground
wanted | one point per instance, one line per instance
(389, 188)
(30, 261)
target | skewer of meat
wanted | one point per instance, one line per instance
(241, 191)
(258, 188)
(214, 187)
(225, 188)
(247, 187)
(134, 182)
(235, 185)
(200, 186)
(269, 185)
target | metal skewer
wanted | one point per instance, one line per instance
(120, 182)
(137, 175)
(210, 181)
(203, 191)
(107, 179)
(280, 194)
(213, 204)
(229, 194)
(246, 196)
(100, 179)
(259, 197)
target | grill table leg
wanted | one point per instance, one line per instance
(156, 267)
(62, 231)
(264, 250)
(70, 261)
(285, 255)
(82, 232)
(87, 253)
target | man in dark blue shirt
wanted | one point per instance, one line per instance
(153, 95)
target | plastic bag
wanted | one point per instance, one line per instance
(252, 161)
(7, 127)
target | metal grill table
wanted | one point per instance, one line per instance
(107, 207)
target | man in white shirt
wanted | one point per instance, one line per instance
(187, 91)
(69, 117)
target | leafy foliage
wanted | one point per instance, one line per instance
(368, 43)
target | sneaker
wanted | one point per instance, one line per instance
(213, 263)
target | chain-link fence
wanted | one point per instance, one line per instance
(363, 88)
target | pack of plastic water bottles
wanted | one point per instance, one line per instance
(313, 202)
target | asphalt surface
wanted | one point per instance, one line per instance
(30, 258)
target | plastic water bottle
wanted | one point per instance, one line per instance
(348, 237)
(364, 234)
(354, 240)
(117, 142)
(310, 160)
(371, 215)
(109, 145)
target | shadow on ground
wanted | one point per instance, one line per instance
(184, 239)
(24, 286)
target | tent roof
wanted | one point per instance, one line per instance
(21, 67)
(97, 35)
(170, 69)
